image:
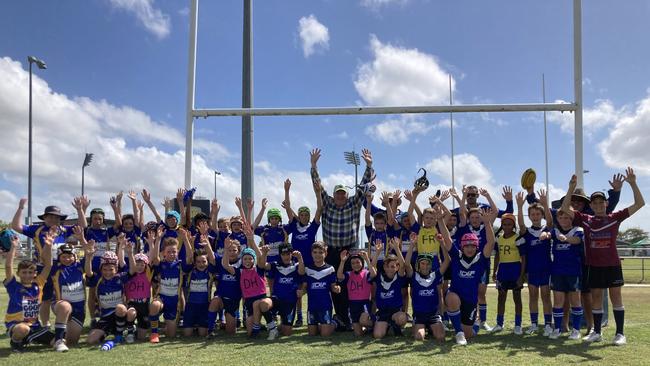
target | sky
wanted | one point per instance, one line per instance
(116, 86)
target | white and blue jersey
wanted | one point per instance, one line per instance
(537, 252)
(197, 284)
(388, 293)
(109, 292)
(170, 278)
(424, 292)
(466, 275)
(567, 258)
(101, 237)
(285, 281)
(319, 280)
(302, 237)
(69, 285)
(228, 284)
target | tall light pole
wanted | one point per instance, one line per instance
(352, 158)
(87, 160)
(247, 102)
(41, 65)
(215, 183)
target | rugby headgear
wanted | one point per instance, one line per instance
(108, 258)
(469, 239)
(141, 257)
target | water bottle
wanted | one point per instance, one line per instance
(107, 346)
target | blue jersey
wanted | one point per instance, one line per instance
(466, 275)
(482, 239)
(388, 293)
(273, 237)
(38, 232)
(24, 302)
(241, 238)
(285, 280)
(405, 235)
(197, 284)
(567, 258)
(228, 284)
(537, 252)
(170, 278)
(109, 292)
(134, 236)
(302, 237)
(424, 292)
(69, 285)
(220, 241)
(374, 235)
(319, 280)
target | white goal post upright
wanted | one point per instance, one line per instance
(246, 184)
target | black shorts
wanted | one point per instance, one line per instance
(426, 319)
(37, 334)
(230, 305)
(195, 315)
(605, 277)
(563, 283)
(508, 285)
(142, 312)
(286, 309)
(386, 314)
(248, 304)
(584, 280)
(107, 324)
(358, 307)
(467, 312)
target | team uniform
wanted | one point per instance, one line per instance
(319, 301)
(455, 238)
(566, 272)
(302, 237)
(428, 244)
(241, 238)
(374, 235)
(272, 236)
(425, 298)
(101, 237)
(171, 232)
(538, 257)
(465, 278)
(485, 276)
(68, 282)
(228, 288)
(109, 294)
(219, 242)
(509, 268)
(253, 286)
(22, 307)
(405, 235)
(286, 280)
(197, 285)
(138, 295)
(388, 296)
(169, 276)
(358, 287)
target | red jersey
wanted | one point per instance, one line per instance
(600, 237)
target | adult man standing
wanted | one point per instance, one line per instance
(340, 221)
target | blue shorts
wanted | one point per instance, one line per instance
(170, 307)
(427, 319)
(508, 285)
(563, 283)
(386, 314)
(485, 279)
(48, 289)
(539, 279)
(248, 304)
(467, 312)
(319, 317)
(195, 315)
(78, 314)
(358, 307)
(230, 305)
(286, 309)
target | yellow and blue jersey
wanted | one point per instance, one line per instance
(69, 285)
(170, 278)
(109, 292)
(38, 232)
(509, 258)
(24, 302)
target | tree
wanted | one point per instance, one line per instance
(633, 235)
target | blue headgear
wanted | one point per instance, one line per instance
(251, 252)
(6, 236)
(175, 214)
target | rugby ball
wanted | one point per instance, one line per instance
(528, 179)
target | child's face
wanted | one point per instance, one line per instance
(303, 217)
(508, 226)
(52, 220)
(140, 266)
(236, 227)
(564, 220)
(274, 221)
(286, 258)
(170, 253)
(109, 271)
(233, 253)
(127, 225)
(451, 221)
(380, 225)
(201, 262)
(247, 261)
(390, 268)
(535, 216)
(97, 220)
(318, 255)
(26, 275)
(223, 226)
(406, 222)
(475, 219)
(424, 267)
(356, 264)
(171, 221)
(67, 259)
(599, 206)
(428, 220)
(469, 250)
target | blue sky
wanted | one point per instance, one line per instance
(116, 86)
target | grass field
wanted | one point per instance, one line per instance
(344, 348)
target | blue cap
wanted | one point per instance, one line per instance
(175, 214)
(251, 252)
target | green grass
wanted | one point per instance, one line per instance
(344, 348)
(632, 270)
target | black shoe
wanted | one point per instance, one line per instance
(17, 347)
(397, 330)
(298, 323)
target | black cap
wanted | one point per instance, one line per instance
(285, 248)
(52, 210)
(66, 248)
(598, 194)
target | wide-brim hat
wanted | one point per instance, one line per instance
(580, 194)
(52, 210)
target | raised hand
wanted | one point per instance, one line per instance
(507, 193)
(146, 196)
(265, 249)
(408, 195)
(573, 183)
(78, 232)
(385, 198)
(314, 155)
(444, 196)
(214, 205)
(179, 195)
(251, 204)
(132, 195)
(287, 184)
(238, 202)
(484, 192)
(140, 205)
(543, 198)
(265, 203)
(367, 156)
(453, 193)
(119, 196)
(85, 202)
(486, 214)
(413, 237)
(379, 245)
(296, 254)
(21, 203)
(89, 248)
(630, 177)
(344, 255)
(521, 198)
(617, 182)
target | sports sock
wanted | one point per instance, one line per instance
(558, 314)
(576, 317)
(59, 330)
(619, 318)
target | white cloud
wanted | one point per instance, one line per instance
(313, 35)
(398, 130)
(628, 140)
(602, 114)
(343, 135)
(153, 19)
(377, 4)
(468, 170)
(402, 76)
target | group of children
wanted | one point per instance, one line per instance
(197, 272)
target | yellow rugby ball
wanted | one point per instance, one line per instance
(528, 179)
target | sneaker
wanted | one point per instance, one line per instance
(409, 318)
(444, 327)
(594, 337)
(298, 323)
(548, 330)
(518, 330)
(60, 346)
(130, 338)
(555, 334)
(154, 338)
(460, 339)
(497, 328)
(532, 330)
(619, 339)
(575, 334)
(486, 327)
(212, 335)
(273, 334)
(588, 334)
